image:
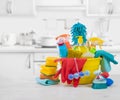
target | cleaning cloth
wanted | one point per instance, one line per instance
(106, 55)
(46, 82)
(105, 65)
(42, 76)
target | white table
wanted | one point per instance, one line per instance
(30, 90)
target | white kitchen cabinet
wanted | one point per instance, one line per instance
(4, 7)
(60, 4)
(40, 58)
(20, 62)
(116, 68)
(103, 8)
(17, 7)
(23, 7)
(16, 66)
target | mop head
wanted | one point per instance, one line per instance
(78, 29)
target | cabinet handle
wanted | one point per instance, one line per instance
(9, 7)
(82, 2)
(28, 61)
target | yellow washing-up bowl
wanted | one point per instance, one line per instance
(91, 65)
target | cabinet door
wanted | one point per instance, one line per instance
(3, 7)
(116, 7)
(103, 8)
(14, 66)
(23, 7)
(116, 68)
(96, 7)
(60, 2)
(37, 68)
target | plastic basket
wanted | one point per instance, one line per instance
(92, 64)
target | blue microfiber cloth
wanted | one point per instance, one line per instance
(63, 51)
(105, 65)
(108, 56)
(46, 82)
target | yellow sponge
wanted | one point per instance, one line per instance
(50, 61)
(48, 71)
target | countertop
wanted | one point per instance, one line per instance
(30, 90)
(112, 49)
(32, 49)
(25, 49)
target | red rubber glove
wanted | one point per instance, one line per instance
(80, 63)
(69, 67)
(62, 70)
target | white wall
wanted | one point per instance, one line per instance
(17, 24)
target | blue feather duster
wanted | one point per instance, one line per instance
(78, 29)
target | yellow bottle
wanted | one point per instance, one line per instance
(81, 47)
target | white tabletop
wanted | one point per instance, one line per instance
(30, 90)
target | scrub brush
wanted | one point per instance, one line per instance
(99, 84)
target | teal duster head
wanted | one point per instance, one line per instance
(78, 29)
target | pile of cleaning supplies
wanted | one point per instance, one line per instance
(80, 62)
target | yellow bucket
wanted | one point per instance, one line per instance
(91, 65)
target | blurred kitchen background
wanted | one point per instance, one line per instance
(28, 25)
(27, 36)
(41, 18)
